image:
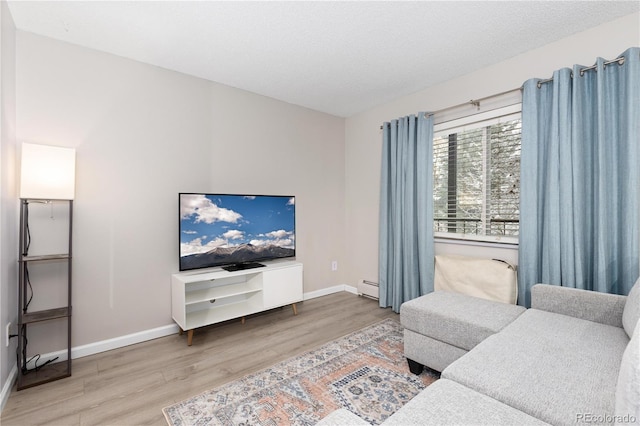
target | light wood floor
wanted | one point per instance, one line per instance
(131, 385)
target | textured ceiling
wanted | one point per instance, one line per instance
(337, 57)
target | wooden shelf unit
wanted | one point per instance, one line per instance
(29, 377)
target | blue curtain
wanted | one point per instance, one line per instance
(579, 214)
(406, 253)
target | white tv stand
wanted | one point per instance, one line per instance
(207, 297)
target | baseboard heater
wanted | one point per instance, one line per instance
(368, 289)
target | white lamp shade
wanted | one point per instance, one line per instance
(47, 172)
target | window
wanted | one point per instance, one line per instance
(476, 171)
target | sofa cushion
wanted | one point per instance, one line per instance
(457, 319)
(553, 367)
(448, 403)
(628, 388)
(631, 313)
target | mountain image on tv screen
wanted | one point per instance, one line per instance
(222, 229)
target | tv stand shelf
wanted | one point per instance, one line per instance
(208, 297)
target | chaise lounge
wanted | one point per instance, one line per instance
(573, 358)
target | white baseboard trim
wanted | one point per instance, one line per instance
(107, 345)
(131, 339)
(8, 385)
(143, 336)
(122, 341)
(326, 291)
(350, 289)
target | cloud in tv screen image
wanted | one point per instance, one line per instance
(223, 229)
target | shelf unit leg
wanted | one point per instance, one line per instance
(295, 309)
(243, 318)
(181, 332)
(189, 337)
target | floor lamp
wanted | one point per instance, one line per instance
(47, 175)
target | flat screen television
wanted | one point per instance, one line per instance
(235, 231)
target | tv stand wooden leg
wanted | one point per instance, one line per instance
(189, 337)
(295, 309)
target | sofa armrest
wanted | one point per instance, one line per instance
(584, 304)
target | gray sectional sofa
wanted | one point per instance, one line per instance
(573, 358)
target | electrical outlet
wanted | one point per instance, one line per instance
(334, 265)
(8, 333)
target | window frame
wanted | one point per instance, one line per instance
(471, 122)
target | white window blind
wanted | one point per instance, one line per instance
(477, 176)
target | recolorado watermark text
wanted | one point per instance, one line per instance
(605, 418)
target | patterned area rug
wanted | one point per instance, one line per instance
(364, 372)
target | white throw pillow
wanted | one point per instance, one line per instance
(489, 279)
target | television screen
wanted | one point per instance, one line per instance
(223, 229)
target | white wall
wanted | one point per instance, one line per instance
(8, 202)
(265, 146)
(364, 137)
(142, 135)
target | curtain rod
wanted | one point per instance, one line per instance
(474, 102)
(619, 60)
